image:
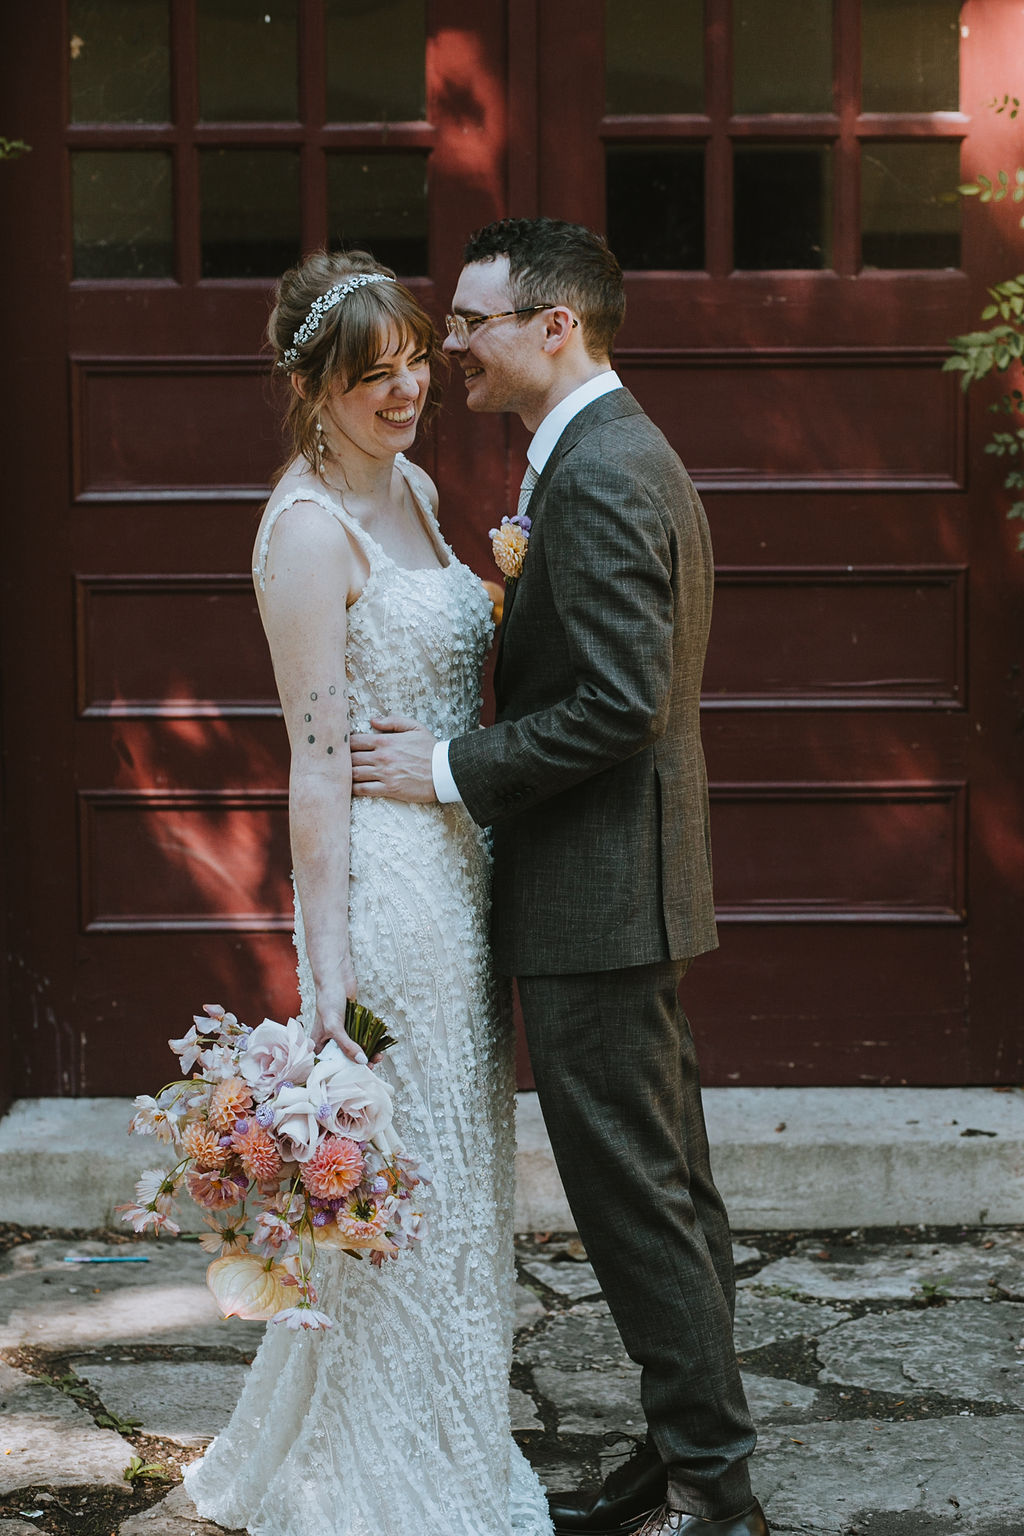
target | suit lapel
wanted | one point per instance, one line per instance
(617, 403)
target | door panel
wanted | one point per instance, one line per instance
(795, 264)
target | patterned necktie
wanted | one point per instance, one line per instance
(526, 489)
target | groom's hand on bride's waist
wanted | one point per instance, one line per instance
(393, 760)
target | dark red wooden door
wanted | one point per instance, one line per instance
(184, 153)
(794, 271)
(779, 181)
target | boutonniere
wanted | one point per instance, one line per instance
(509, 543)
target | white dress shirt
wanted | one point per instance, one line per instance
(541, 447)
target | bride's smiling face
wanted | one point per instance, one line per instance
(379, 414)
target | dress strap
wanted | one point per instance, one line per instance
(321, 499)
(422, 500)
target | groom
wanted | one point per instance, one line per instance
(593, 781)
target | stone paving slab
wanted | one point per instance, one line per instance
(833, 1479)
(571, 1281)
(523, 1411)
(54, 1305)
(896, 1273)
(925, 1351)
(773, 1400)
(529, 1308)
(173, 1516)
(45, 1437)
(573, 1278)
(582, 1339)
(766, 1319)
(188, 1403)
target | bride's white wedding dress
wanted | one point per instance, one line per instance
(395, 1421)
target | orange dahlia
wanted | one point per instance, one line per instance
(231, 1100)
(335, 1168)
(257, 1152)
(202, 1145)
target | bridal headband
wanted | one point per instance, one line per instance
(319, 308)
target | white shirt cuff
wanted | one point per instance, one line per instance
(445, 787)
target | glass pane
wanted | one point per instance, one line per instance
(120, 61)
(782, 200)
(910, 55)
(910, 212)
(122, 213)
(656, 207)
(654, 56)
(376, 61)
(248, 61)
(782, 56)
(249, 211)
(379, 203)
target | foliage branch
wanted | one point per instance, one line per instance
(977, 354)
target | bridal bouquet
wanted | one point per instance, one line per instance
(299, 1141)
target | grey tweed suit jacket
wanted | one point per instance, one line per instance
(593, 777)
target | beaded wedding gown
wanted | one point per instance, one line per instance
(395, 1422)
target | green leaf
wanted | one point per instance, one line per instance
(968, 189)
(138, 1471)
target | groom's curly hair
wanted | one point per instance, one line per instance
(553, 262)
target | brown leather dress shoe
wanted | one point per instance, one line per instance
(676, 1522)
(628, 1497)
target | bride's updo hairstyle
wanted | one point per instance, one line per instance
(347, 339)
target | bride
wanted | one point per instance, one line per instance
(395, 1421)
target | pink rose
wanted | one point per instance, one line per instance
(350, 1099)
(276, 1054)
(296, 1123)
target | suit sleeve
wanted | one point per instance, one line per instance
(609, 561)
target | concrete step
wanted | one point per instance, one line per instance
(784, 1158)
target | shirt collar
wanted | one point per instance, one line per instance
(555, 422)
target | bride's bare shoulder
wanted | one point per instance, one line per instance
(298, 527)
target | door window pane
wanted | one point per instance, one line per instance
(248, 60)
(910, 212)
(120, 61)
(654, 56)
(911, 55)
(122, 213)
(782, 56)
(782, 198)
(656, 207)
(249, 211)
(379, 203)
(376, 61)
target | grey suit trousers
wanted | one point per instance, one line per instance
(619, 1085)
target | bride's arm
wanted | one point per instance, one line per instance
(309, 572)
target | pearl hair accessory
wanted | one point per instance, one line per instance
(319, 308)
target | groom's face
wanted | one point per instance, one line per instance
(502, 362)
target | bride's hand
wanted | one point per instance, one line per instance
(329, 1023)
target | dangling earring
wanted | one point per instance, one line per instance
(321, 446)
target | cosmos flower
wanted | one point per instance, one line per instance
(303, 1317)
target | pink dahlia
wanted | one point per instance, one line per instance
(257, 1152)
(335, 1168)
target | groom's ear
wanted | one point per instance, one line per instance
(559, 324)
